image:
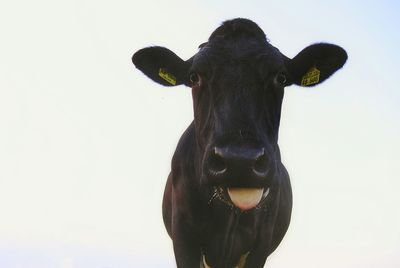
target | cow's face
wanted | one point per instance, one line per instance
(238, 81)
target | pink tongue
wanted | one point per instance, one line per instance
(245, 198)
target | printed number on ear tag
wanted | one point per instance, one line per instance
(167, 76)
(311, 77)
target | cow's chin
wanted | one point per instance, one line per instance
(245, 198)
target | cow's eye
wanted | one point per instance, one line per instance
(194, 78)
(280, 79)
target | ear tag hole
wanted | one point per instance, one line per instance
(311, 77)
(170, 78)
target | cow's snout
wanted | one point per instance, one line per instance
(241, 161)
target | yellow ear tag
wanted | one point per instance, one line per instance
(311, 77)
(167, 76)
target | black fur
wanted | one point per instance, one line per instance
(238, 81)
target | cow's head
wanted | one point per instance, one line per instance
(238, 80)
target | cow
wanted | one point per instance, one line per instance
(228, 199)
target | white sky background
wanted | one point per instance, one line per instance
(86, 139)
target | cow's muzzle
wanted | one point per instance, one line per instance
(243, 171)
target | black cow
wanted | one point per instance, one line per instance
(228, 200)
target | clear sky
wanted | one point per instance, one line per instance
(86, 140)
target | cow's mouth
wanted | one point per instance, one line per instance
(242, 198)
(245, 198)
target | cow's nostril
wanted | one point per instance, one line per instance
(217, 165)
(260, 166)
(237, 161)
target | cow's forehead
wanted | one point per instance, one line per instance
(241, 47)
(224, 53)
(237, 37)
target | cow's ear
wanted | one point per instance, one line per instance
(161, 65)
(315, 63)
